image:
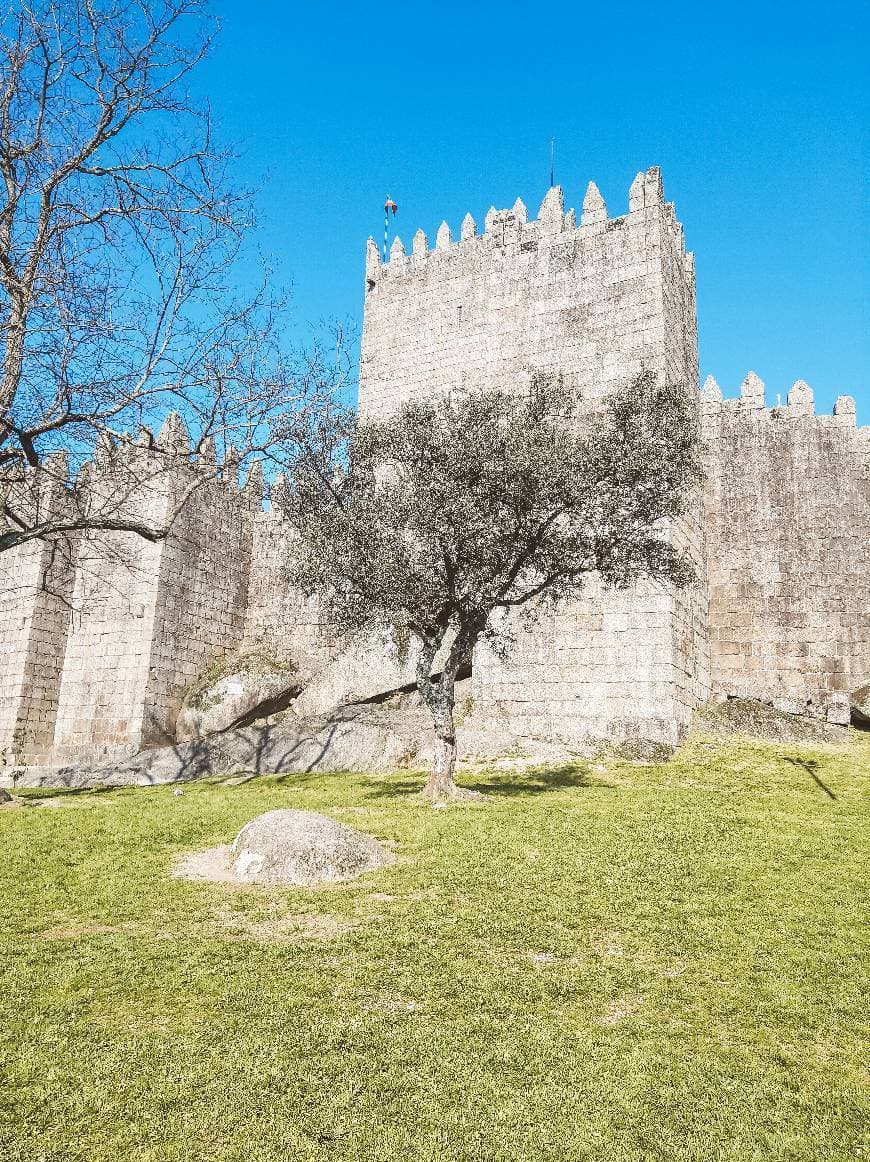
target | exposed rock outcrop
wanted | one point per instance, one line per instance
(249, 686)
(746, 716)
(860, 706)
(391, 734)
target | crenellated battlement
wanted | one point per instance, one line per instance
(596, 301)
(799, 404)
(511, 230)
(146, 462)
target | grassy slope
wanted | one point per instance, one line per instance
(643, 962)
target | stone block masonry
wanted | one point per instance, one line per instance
(101, 634)
(36, 582)
(35, 615)
(787, 508)
(102, 637)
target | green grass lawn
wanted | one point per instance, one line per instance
(607, 962)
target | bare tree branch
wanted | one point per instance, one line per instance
(119, 234)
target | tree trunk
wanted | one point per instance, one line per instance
(439, 696)
(13, 361)
(440, 785)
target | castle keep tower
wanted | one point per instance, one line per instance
(597, 303)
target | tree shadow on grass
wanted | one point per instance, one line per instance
(533, 782)
(38, 793)
(810, 766)
(396, 788)
(537, 781)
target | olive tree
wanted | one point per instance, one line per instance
(438, 521)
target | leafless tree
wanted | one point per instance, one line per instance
(119, 230)
(437, 522)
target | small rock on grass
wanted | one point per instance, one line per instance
(301, 847)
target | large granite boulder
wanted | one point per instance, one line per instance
(240, 689)
(303, 848)
(860, 706)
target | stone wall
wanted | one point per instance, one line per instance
(787, 507)
(35, 590)
(279, 619)
(150, 617)
(104, 632)
(596, 303)
(34, 620)
(107, 654)
(202, 591)
(603, 669)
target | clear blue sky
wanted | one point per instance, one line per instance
(753, 111)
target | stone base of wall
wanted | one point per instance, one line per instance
(579, 732)
(355, 738)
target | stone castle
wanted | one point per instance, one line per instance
(100, 644)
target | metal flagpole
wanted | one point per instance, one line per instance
(552, 162)
(389, 207)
